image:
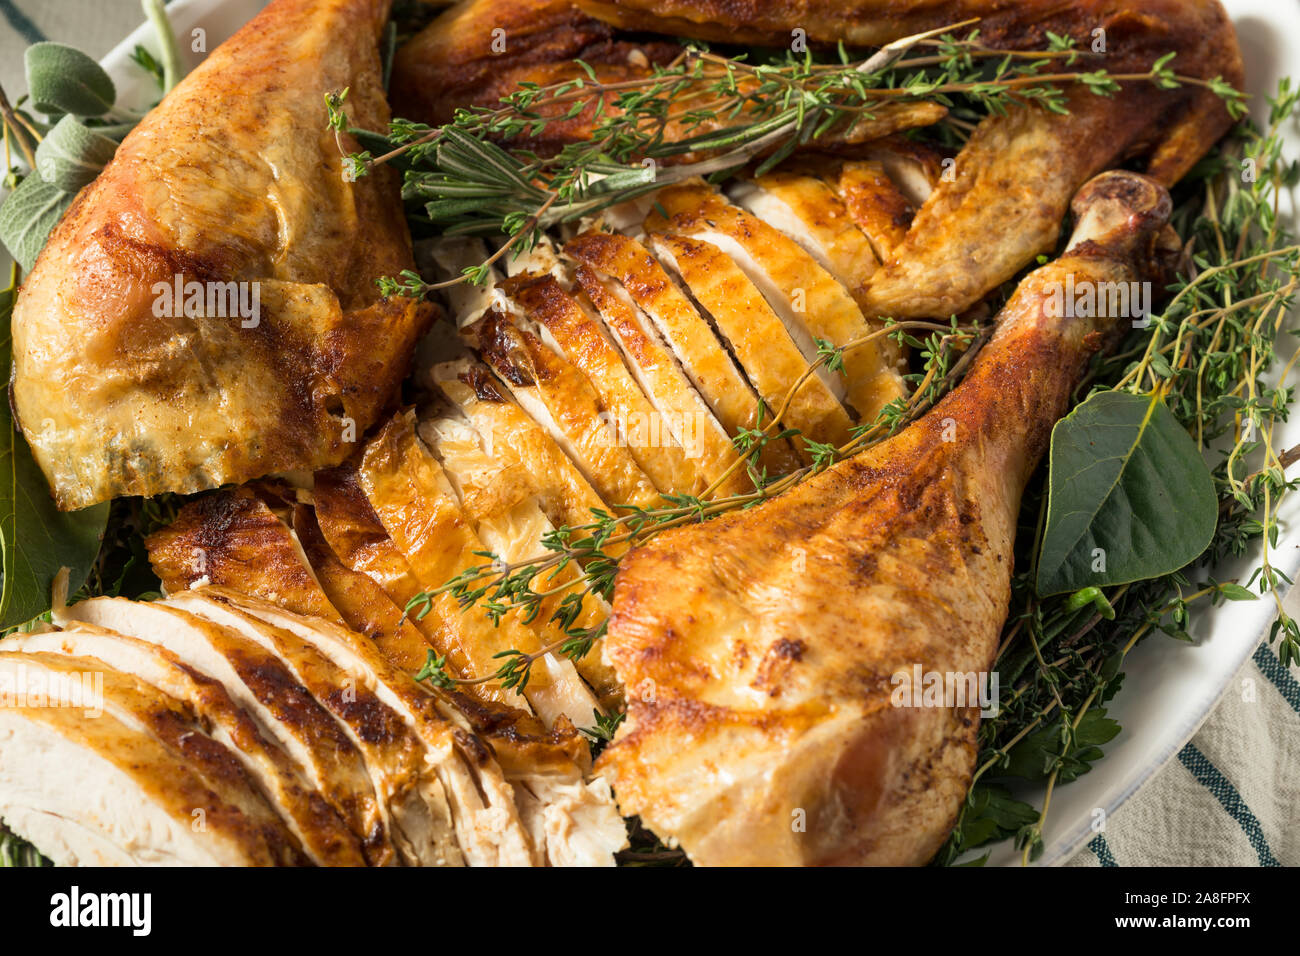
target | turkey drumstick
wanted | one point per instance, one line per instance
(758, 650)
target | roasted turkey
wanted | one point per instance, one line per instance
(281, 684)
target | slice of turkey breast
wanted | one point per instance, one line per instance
(519, 442)
(705, 360)
(584, 341)
(256, 680)
(417, 505)
(102, 776)
(806, 209)
(877, 205)
(507, 515)
(357, 537)
(561, 399)
(542, 771)
(757, 337)
(676, 402)
(415, 808)
(323, 835)
(807, 298)
(491, 821)
(172, 723)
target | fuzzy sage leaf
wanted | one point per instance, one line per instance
(28, 215)
(1129, 496)
(72, 155)
(62, 79)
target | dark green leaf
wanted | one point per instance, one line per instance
(1129, 496)
(36, 539)
(71, 156)
(61, 79)
(28, 215)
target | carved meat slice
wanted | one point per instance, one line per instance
(323, 835)
(418, 507)
(256, 680)
(519, 442)
(806, 209)
(165, 720)
(571, 822)
(757, 336)
(413, 803)
(96, 791)
(503, 506)
(806, 297)
(677, 404)
(584, 341)
(877, 205)
(704, 360)
(562, 400)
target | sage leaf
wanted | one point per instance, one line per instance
(1129, 496)
(28, 215)
(36, 539)
(61, 79)
(71, 156)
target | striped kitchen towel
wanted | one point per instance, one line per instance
(1232, 795)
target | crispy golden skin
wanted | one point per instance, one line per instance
(233, 179)
(1023, 167)
(770, 636)
(478, 51)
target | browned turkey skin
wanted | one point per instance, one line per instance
(233, 182)
(765, 641)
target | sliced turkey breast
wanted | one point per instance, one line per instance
(256, 680)
(486, 815)
(503, 505)
(323, 835)
(704, 359)
(757, 337)
(543, 771)
(561, 400)
(692, 424)
(583, 340)
(63, 840)
(519, 442)
(112, 780)
(414, 805)
(418, 508)
(233, 539)
(806, 297)
(916, 168)
(172, 723)
(357, 537)
(806, 209)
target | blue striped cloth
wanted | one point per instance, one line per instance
(1233, 795)
(1232, 798)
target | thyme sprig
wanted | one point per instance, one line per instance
(703, 114)
(497, 588)
(1208, 353)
